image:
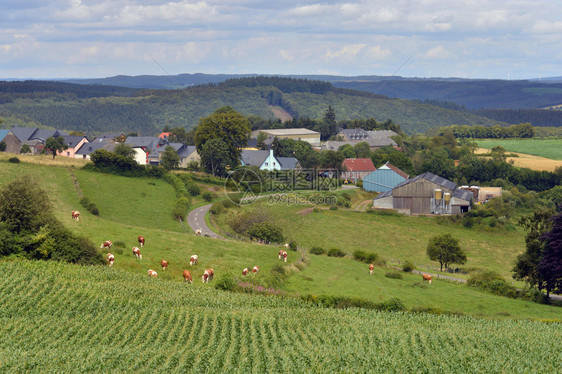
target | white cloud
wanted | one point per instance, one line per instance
(438, 53)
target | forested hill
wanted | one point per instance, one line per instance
(99, 108)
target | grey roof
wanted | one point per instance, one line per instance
(355, 134)
(463, 194)
(23, 133)
(287, 132)
(384, 194)
(254, 158)
(72, 141)
(445, 183)
(381, 133)
(89, 148)
(186, 150)
(333, 145)
(149, 142)
(288, 163)
(108, 135)
(45, 134)
(380, 142)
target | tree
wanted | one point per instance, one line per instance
(124, 150)
(227, 125)
(527, 264)
(347, 151)
(25, 149)
(328, 126)
(55, 145)
(262, 137)
(24, 206)
(331, 160)
(362, 150)
(216, 156)
(170, 158)
(446, 250)
(550, 267)
(2, 146)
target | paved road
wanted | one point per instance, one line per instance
(196, 220)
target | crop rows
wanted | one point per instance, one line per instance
(57, 317)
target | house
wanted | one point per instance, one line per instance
(375, 139)
(35, 138)
(264, 160)
(73, 143)
(483, 194)
(312, 137)
(87, 149)
(13, 144)
(384, 178)
(334, 145)
(426, 194)
(289, 163)
(357, 168)
(187, 153)
(149, 145)
(349, 135)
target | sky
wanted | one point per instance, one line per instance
(513, 39)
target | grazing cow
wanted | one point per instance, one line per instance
(255, 269)
(283, 255)
(245, 271)
(193, 260)
(187, 276)
(164, 264)
(76, 215)
(137, 253)
(286, 245)
(198, 232)
(141, 241)
(152, 273)
(427, 277)
(110, 259)
(106, 244)
(371, 269)
(208, 275)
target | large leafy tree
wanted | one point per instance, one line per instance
(446, 250)
(124, 150)
(55, 145)
(527, 264)
(227, 125)
(216, 157)
(331, 160)
(550, 267)
(170, 158)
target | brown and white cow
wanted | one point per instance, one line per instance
(208, 275)
(426, 277)
(164, 264)
(198, 232)
(110, 259)
(256, 269)
(141, 241)
(371, 269)
(193, 260)
(152, 273)
(107, 244)
(187, 276)
(76, 215)
(137, 253)
(245, 271)
(283, 255)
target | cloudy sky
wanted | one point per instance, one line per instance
(513, 39)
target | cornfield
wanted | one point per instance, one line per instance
(66, 318)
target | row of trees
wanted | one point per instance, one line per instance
(522, 130)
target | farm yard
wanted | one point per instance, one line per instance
(60, 317)
(88, 319)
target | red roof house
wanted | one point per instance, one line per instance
(357, 168)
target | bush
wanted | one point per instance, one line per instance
(393, 274)
(267, 232)
(207, 196)
(408, 266)
(242, 223)
(293, 245)
(335, 252)
(278, 269)
(392, 305)
(317, 250)
(227, 203)
(226, 282)
(193, 189)
(177, 183)
(217, 208)
(182, 206)
(333, 207)
(495, 284)
(119, 244)
(92, 208)
(14, 160)
(369, 258)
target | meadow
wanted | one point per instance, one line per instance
(142, 206)
(58, 317)
(548, 148)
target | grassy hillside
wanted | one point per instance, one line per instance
(64, 318)
(131, 207)
(549, 148)
(148, 111)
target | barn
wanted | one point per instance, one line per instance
(357, 168)
(426, 194)
(384, 178)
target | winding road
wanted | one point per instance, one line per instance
(196, 220)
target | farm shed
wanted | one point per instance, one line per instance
(426, 194)
(13, 144)
(357, 168)
(384, 178)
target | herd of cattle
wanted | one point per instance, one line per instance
(208, 274)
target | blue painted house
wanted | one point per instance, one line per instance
(265, 160)
(384, 178)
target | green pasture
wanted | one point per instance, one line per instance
(549, 148)
(57, 317)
